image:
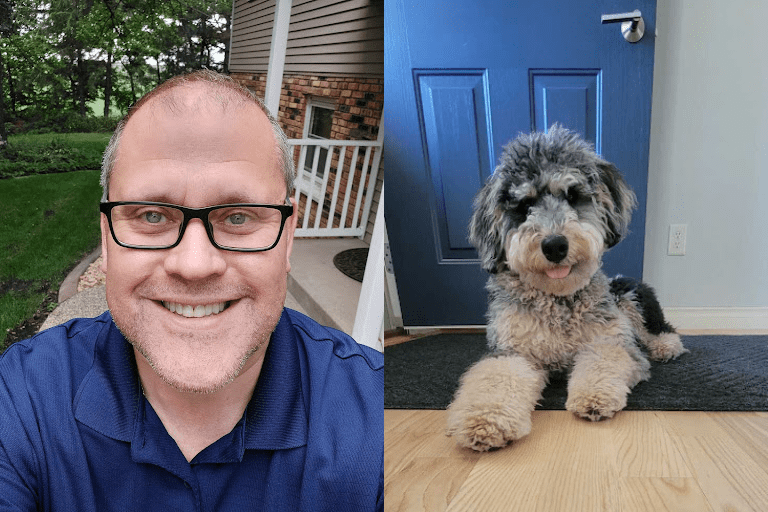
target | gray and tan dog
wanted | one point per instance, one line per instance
(541, 224)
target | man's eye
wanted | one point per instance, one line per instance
(153, 217)
(237, 219)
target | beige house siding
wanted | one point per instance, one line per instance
(325, 37)
(251, 35)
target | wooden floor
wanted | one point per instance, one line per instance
(637, 461)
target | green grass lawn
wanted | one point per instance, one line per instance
(52, 153)
(47, 224)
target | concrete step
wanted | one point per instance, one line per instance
(326, 294)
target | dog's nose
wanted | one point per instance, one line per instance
(555, 248)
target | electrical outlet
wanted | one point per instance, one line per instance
(677, 239)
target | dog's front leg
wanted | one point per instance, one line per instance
(493, 404)
(603, 374)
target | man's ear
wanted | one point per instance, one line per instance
(104, 237)
(288, 230)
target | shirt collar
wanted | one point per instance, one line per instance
(276, 417)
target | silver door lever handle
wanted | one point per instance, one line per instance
(632, 24)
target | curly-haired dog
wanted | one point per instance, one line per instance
(541, 224)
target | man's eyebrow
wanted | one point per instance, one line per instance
(237, 198)
(230, 198)
(153, 198)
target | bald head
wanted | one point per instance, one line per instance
(201, 91)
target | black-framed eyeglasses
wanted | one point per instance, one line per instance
(242, 227)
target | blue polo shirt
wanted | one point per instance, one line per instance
(76, 433)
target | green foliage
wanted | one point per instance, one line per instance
(51, 153)
(47, 224)
(63, 122)
(59, 55)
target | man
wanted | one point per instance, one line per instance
(200, 391)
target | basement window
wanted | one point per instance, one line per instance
(319, 120)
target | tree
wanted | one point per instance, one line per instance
(60, 55)
(6, 10)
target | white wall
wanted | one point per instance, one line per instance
(709, 162)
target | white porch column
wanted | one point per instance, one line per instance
(369, 319)
(277, 55)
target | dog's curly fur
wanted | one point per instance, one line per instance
(541, 224)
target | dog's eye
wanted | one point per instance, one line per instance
(572, 196)
(524, 206)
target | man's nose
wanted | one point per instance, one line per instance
(195, 257)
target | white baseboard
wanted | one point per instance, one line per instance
(718, 318)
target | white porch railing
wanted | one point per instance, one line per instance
(335, 195)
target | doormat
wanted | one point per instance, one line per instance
(721, 373)
(352, 262)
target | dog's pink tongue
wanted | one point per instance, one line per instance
(559, 272)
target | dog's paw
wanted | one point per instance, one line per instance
(666, 346)
(484, 431)
(595, 406)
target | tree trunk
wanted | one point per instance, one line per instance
(130, 79)
(108, 85)
(3, 135)
(11, 88)
(82, 78)
(226, 47)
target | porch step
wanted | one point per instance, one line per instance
(323, 292)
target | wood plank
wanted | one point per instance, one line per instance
(637, 461)
(750, 431)
(729, 478)
(662, 495)
(531, 476)
(427, 484)
(645, 447)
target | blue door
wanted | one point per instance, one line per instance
(462, 78)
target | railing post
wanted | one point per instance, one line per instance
(374, 174)
(370, 305)
(277, 50)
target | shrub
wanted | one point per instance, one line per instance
(50, 153)
(62, 122)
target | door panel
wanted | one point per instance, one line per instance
(464, 77)
(455, 134)
(572, 98)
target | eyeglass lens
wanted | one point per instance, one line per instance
(242, 227)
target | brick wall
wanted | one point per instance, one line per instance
(359, 102)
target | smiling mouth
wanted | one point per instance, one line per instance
(200, 311)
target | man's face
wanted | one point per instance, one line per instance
(201, 156)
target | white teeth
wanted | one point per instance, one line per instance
(189, 311)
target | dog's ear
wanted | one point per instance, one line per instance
(617, 200)
(485, 228)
